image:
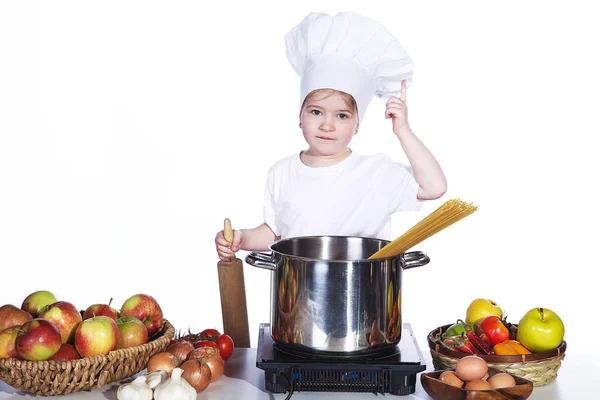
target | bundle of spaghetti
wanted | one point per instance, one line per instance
(444, 216)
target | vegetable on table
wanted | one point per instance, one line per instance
(175, 388)
(136, 390)
(226, 346)
(153, 379)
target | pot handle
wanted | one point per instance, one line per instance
(261, 260)
(415, 259)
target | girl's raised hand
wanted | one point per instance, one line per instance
(226, 250)
(396, 109)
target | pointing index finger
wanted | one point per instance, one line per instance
(403, 90)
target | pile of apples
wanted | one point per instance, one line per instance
(44, 328)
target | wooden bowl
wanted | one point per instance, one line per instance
(440, 390)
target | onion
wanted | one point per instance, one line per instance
(212, 358)
(180, 349)
(197, 374)
(203, 352)
(163, 361)
(216, 365)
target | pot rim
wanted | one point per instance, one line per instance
(385, 242)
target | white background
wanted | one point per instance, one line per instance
(130, 130)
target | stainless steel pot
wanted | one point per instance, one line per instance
(327, 297)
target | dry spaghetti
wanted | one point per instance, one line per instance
(445, 215)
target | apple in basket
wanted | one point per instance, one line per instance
(7, 342)
(36, 301)
(37, 340)
(96, 336)
(146, 309)
(540, 329)
(66, 352)
(96, 310)
(64, 316)
(11, 316)
(132, 332)
(481, 308)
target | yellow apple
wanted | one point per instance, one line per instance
(481, 308)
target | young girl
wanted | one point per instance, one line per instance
(328, 189)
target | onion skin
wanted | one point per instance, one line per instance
(180, 349)
(163, 361)
(197, 374)
(212, 357)
(216, 365)
(203, 352)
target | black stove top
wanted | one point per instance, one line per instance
(288, 371)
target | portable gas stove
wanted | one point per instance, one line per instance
(290, 371)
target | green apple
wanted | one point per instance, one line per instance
(36, 301)
(481, 308)
(540, 329)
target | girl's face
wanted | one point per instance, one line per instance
(328, 125)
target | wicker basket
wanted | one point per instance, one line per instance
(51, 378)
(539, 368)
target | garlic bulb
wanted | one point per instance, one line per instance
(153, 379)
(175, 388)
(136, 390)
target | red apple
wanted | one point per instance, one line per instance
(11, 316)
(37, 340)
(66, 352)
(144, 308)
(96, 310)
(7, 342)
(132, 332)
(64, 316)
(36, 301)
(96, 335)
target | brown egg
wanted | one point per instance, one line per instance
(470, 368)
(450, 378)
(502, 380)
(478, 384)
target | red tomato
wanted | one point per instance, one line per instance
(225, 343)
(209, 334)
(493, 327)
(205, 343)
(190, 337)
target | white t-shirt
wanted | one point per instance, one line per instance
(355, 197)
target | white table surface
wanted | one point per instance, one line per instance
(578, 379)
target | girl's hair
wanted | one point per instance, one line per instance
(325, 93)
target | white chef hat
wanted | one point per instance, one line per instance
(349, 53)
